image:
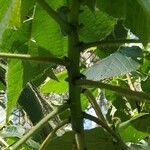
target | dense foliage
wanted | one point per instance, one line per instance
(89, 53)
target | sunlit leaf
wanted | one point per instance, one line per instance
(136, 128)
(118, 63)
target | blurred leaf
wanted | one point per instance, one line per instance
(136, 128)
(12, 131)
(146, 85)
(84, 102)
(90, 3)
(8, 10)
(116, 9)
(96, 139)
(145, 68)
(118, 63)
(12, 140)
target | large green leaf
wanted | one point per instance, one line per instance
(95, 139)
(46, 33)
(136, 128)
(136, 15)
(118, 63)
(14, 84)
(94, 26)
(37, 27)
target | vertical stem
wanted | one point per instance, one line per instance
(74, 72)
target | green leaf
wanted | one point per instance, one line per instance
(118, 63)
(8, 10)
(14, 84)
(116, 9)
(137, 22)
(54, 86)
(146, 85)
(94, 26)
(119, 32)
(136, 128)
(84, 102)
(38, 29)
(18, 74)
(46, 33)
(90, 3)
(95, 139)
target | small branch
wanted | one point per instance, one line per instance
(133, 89)
(108, 129)
(52, 13)
(94, 104)
(38, 126)
(120, 90)
(55, 60)
(2, 142)
(130, 82)
(108, 43)
(52, 134)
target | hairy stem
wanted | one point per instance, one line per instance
(74, 72)
(38, 126)
(122, 91)
(52, 134)
(45, 59)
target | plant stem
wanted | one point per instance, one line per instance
(109, 43)
(2, 142)
(130, 82)
(38, 126)
(52, 134)
(133, 89)
(108, 129)
(74, 72)
(120, 90)
(35, 58)
(94, 104)
(52, 13)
